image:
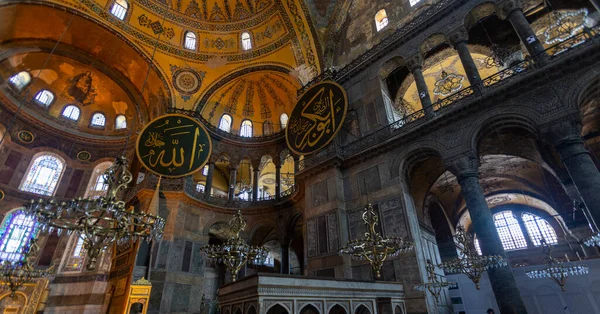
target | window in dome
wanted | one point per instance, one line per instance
(381, 19)
(225, 123)
(43, 175)
(190, 41)
(121, 122)
(205, 171)
(267, 128)
(509, 231)
(20, 80)
(413, 2)
(98, 119)
(246, 129)
(16, 232)
(119, 9)
(71, 112)
(200, 187)
(246, 41)
(284, 120)
(44, 97)
(538, 229)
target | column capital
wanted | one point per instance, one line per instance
(506, 7)
(458, 36)
(414, 62)
(464, 165)
(558, 132)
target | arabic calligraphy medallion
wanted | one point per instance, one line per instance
(173, 146)
(316, 118)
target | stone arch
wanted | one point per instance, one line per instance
(211, 223)
(478, 13)
(237, 309)
(337, 309)
(309, 309)
(278, 308)
(398, 310)
(391, 64)
(362, 309)
(432, 42)
(251, 309)
(263, 231)
(405, 164)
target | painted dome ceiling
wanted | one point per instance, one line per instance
(218, 10)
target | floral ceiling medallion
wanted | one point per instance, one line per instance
(566, 24)
(186, 81)
(448, 84)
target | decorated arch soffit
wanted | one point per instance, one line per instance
(280, 32)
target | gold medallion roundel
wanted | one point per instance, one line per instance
(317, 118)
(173, 146)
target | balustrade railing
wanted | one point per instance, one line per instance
(509, 72)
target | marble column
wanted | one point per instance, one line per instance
(209, 179)
(255, 184)
(505, 289)
(512, 10)
(277, 181)
(232, 182)
(565, 137)
(415, 65)
(458, 38)
(285, 258)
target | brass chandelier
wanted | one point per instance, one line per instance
(373, 247)
(235, 253)
(100, 221)
(15, 274)
(555, 269)
(434, 285)
(469, 262)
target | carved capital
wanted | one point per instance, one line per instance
(504, 8)
(415, 62)
(559, 132)
(465, 165)
(457, 36)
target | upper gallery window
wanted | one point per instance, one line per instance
(98, 119)
(190, 41)
(120, 122)
(43, 175)
(538, 229)
(16, 231)
(44, 97)
(381, 19)
(509, 231)
(97, 185)
(20, 80)
(246, 129)
(413, 2)
(246, 41)
(119, 9)
(267, 128)
(200, 187)
(225, 123)
(71, 112)
(284, 120)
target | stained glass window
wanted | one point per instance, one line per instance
(16, 231)
(509, 231)
(246, 129)
(96, 186)
(246, 41)
(381, 19)
(225, 123)
(98, 119)
(538, 229)
(44, 97)
(20, 80)
(74, 261)
(71, 112)
(284, 120)
(43, 175)
(190, 41)
(120, 122)
(413, 2)
(119, 9)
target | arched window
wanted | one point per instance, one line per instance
(225, 123)
(71, 112)
(205, 170)
(16, 231)
(509, 231)
(200, 187)
(120, 122)
(98, 119)
(267, 128)
(43, 175)
(96, 186)
(538, 229)
(246, 41)
(246, 129)
(74, 261)
(190, 41)
(44, 97)
(20, 80)
(381, 19)
(413, 2)
(119, 9)
(284, 120)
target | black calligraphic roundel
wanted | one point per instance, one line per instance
(173, 146)
(316, 118)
